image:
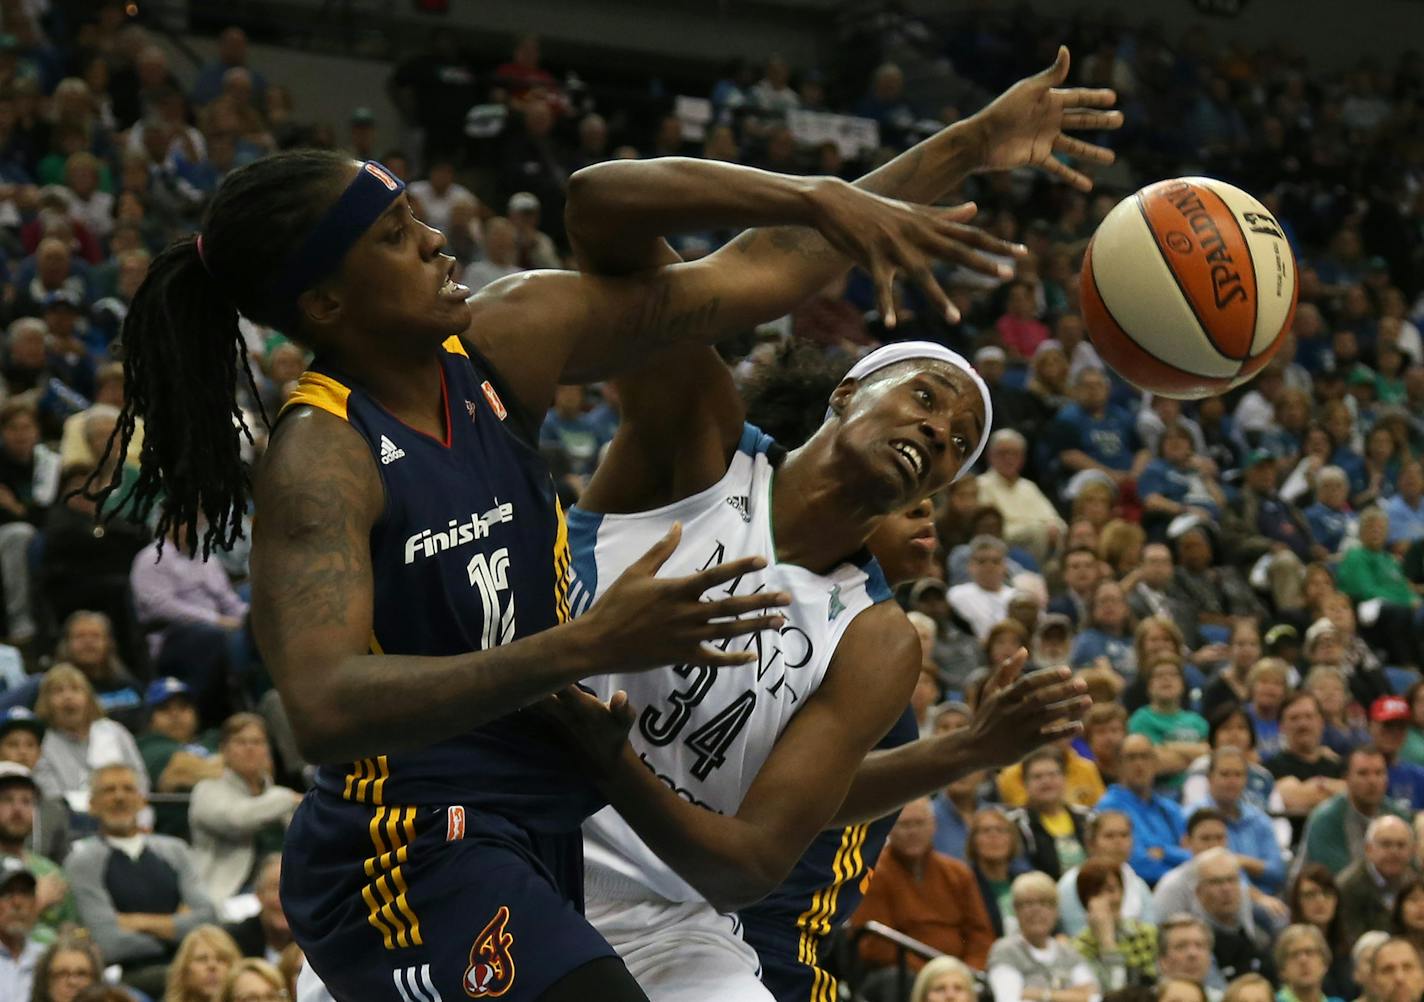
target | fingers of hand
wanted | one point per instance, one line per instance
(884, 278)
(694, 585)
(1091, 121)
(711, 656)
(1077, 179)
(724, 628)
(1058, 71)
(1011, 666)
(925, 279)
(975, 237)
(1061, 729)
(1086, 97)
(742, 604)
(659, 552)
(1083, 151)
(961, 213)
(1032, 686)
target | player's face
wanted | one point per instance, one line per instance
(397, 283)
(904, 543)
(906, 430)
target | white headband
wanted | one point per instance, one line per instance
(902, 351)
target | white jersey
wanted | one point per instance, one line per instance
(706, 732)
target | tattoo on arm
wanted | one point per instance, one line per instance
(317, 563)
(654, 320)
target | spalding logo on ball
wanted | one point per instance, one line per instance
(1187, 287)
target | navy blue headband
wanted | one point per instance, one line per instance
(361, 204)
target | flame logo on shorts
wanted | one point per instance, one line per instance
(491, 970)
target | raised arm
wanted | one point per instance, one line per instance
(318, 495)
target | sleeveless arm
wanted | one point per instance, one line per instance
(735, 861)
(318, 495)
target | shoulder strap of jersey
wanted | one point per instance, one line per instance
(317, 389)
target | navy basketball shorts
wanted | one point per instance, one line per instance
(427, 904)
(789, 961)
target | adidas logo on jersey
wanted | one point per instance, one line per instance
(390, 452)
(740, 503)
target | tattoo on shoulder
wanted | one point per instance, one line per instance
(309, 510)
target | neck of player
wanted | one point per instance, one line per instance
(409, 388)
(819, 519)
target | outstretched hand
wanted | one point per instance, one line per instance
(886, 237)
(1028, 123)
(1018, 713)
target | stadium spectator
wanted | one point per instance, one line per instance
(19, 798)
(1314, 900)
(1157, 822)
(29, 483)
(201, 965)
(1267, 683)
(1413, 750)
(1106, 636)
(197, 623)
(1302, 959)
(1184, 945)
(1250, 833)
(1080, 786)
(138, 894)
(241, 815)
(1407, 916)
(266, 934)
(1331, 519)
(252, 979)
(232, 51)
(1176, 892)
(983, 601)
(1211, 594)
(1369, 572)
(1405, 508)
(1104, 729)
(1268, 537)
(1335, 831)
(1148, 596)
(21, 733)
(1306, 772)
(1081, 574)
(953, 807)
(1091, 434)
(19, 949)
(925, 895)
(1237, 948)
(1179, 481)
(70, 965)
(1121, 951)
(176, 756)
(78, 738)
(87, 642)
(1229, 685)
(994, 853)
(1230, 726)
(437, 194)
(1178, 734)
(1032, 960)
(1368, 886)
(1109, 838)
(1389, 724)
(1395, 973)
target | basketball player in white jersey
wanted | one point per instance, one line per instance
(762, 759)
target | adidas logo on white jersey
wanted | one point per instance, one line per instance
(740, 503)
(390, 452)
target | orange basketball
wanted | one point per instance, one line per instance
(1187, 287)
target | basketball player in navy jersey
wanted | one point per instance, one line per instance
(410, 565)
(682, 397)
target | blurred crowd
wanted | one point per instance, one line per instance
(1238, 579)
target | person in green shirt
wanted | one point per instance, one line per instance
(18, 799)
(1413, 750)
(176, 755)
(1179, 735)
(1369, 572)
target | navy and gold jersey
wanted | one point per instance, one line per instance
(470, 552)
(825, 887)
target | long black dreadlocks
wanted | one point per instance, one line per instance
(183, 353)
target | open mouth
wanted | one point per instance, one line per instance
(913, 459)
(451, 289)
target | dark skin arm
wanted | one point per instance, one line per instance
(319, 495)
(735, 860)
(1016, 714)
